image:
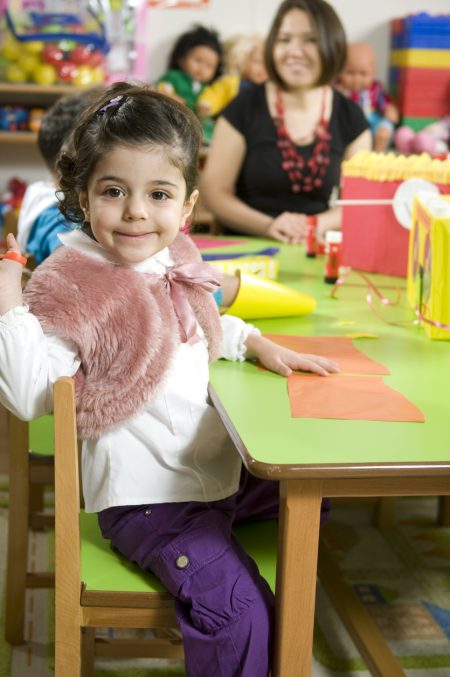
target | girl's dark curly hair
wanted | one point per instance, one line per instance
(198, 36)
(141, 117)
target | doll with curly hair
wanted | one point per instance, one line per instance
(244, 65)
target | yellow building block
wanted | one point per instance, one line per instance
(421, 58)
(429, 263)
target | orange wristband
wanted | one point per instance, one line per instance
(14, 256)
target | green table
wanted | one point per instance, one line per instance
(313, 458)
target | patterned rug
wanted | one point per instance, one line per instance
(402, 575)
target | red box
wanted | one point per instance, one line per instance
(372, 238)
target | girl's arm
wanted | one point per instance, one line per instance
(30, 361)
(10, 278)
(242, 341)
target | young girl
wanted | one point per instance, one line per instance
(125, 306)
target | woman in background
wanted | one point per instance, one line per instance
(277, 148)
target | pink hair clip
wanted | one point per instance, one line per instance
(113, 103)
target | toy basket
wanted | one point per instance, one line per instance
(52, 42)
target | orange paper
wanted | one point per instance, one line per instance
(340, 349)
(358, 398)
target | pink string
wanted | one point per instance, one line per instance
(385, 301)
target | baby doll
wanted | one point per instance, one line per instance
(244, 65)
(357, 82)
(195, 60)
(433, 139)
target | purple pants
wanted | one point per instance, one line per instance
(225, 609)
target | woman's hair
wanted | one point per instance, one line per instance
(127, 115)
(331, 38)
(237, 50)
(198, 36)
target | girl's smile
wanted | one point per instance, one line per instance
(136, 202)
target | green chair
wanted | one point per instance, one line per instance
(97, 588)
(31, 468)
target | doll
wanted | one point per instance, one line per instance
(357, 82)
(244, 65)
(433, 139)
(195, 61)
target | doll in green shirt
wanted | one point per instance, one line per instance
(195, 61)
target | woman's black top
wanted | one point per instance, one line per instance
(262, 183)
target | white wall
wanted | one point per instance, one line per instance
(366, 20)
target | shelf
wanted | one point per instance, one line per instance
(33, 95)
(18, 137)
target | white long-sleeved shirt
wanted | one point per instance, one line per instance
(175, 449)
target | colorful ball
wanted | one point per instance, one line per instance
(15, 74)
(45, 74)
(52, 54)
(84, 77)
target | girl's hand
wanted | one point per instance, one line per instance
(284, 361)
(288, 227)
(10, 278)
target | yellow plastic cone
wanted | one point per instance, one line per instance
(259, 297)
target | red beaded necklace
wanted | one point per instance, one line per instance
(303, 175)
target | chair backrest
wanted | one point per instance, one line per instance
(67, 501)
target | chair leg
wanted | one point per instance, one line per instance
(37, 497)
(68, 647)
(385, 512)
(17, 558)
(444, 511)
(87, 652)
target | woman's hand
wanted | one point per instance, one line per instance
(288, 227)
(284, 361)
(10, 278)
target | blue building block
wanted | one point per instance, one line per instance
(422, 31)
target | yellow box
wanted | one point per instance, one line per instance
(264, 266)
(429, 263)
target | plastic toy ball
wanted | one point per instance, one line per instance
(98, 75)
(28, 63)
(15, 74)
(11, 49)
(80, 55)
(95, 58)
(51, 54)
(45, 74)
(66, 71)
(84, 77)
(33, 47)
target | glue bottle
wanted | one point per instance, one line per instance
(311, 239)
(333, 243)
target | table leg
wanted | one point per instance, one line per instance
(298, 543)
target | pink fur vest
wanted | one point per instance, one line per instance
(123, 324)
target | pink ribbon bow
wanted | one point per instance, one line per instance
(200, 274)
